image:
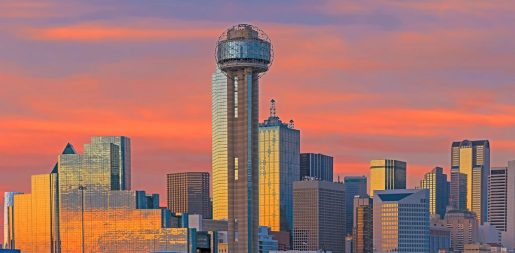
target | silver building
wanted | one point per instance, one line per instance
(401, 221)
(501, 202)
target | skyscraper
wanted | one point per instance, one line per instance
(317, 166)
(8, 218)
(401, 221)
(279, 151)
(243, 53)
(438, 186)
(219, 145)
(464, 228)
(77, 210)
(319, 216)
(458, 193)
(501, 202)
(188, 192)
(387, 174)
(473, 159)
(121, 175)
(363, 232)
(354, 186)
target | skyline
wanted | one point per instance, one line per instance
(377, 74)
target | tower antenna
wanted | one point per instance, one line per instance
(272, 109)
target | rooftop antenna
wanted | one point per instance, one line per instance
(272, 109)
(291, 124)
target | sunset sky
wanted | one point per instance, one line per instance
(362, 79)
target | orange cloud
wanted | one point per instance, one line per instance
(91, 32)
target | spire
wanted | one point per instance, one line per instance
(272, 109)
(68, 150)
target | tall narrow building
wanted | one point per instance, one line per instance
(458, 192)
(464, 228)
(501, 202)
(243, 53)
(319, 216)
(219, 145)
(387, 174)
(318, 166)
(473, 159)
(363, 232)
(401, 221)
(438, 186)
(8, 219)
(354, 186)
(188, 192)
(279, 151)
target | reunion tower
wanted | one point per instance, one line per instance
(243, 53)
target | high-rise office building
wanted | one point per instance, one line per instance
(279, 151)
(354, 186)
(318, 216)
(77, 210)
(8, 218)
(401, 221)
(188, 192)
(387, 174)
(363, 232)
(458, 192)
(501, 202)
(243, 53)
(439, 236)
(438, 186)
(318, 166)
(464, 228)
(473, 159)
(219, 145)
(121, 175)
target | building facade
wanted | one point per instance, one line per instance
(318, 216)
(363, 232)
(501, 202)
(188, 192)
(219, 145)
(463, 226)
(8, 218)
(243, 53)
(473, 159)
(458, 193)
(354, 186)
(387, 174)
(77, 210)
(439, 236)
(401, 221)
(318, 166)
(279, 151)
(438, 186)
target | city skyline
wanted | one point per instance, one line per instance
(130, 72)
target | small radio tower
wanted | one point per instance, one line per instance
(291, 124)
(272, 109)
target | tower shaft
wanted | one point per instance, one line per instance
(242, 133)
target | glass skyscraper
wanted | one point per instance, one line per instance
(279, 150)
(317, 166)
(80, 209)
(363, 232)
(387, 174)
(472, 158)
(243, 53)
(219, 145)
(401, 221)
(354, 186)
(438, 186)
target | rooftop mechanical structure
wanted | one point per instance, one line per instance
(244, 53)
